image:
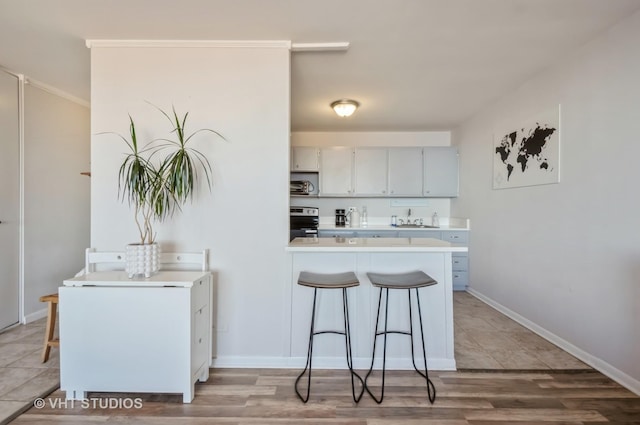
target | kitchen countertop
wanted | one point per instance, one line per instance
(323, 226)
(373, 245)
(456, 224)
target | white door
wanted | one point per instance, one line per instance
(9, 199)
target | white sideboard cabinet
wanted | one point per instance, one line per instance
(127, 335)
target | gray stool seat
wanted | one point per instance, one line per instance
(327, 281)
(416, 279)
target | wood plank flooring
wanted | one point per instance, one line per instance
(508, 375)
(266, 397)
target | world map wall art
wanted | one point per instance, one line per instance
(528, 154)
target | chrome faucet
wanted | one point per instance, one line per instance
(409, 216)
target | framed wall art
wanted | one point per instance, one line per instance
(528, 154)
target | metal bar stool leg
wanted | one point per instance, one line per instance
(411, 280)
(347, 337)
(330, 281)
(384, 351)
(309, 352)
(431, 389)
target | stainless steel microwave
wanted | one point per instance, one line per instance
(300, 187)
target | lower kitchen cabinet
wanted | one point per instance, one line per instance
(460, 267)
(337, 233)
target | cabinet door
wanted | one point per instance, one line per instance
(336, 171)
(371, 171)
(304, 158)
(376, 234)
(440, 172)
(405, 172)
(336, 233)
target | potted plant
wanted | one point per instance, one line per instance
(156, 180)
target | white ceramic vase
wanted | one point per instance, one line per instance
(142, 259)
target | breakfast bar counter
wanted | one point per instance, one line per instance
(373, 245)
(380, 255)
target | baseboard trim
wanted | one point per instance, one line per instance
(361, 363)
(600, 365)
(36, 315)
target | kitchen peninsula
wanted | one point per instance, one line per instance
(382, 255)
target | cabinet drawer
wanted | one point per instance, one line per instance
(460, 263)
(336, 234)
(200, 343)
(460, 279)
(200, 293)
(455, 237)
(376, 234)
(419, 234)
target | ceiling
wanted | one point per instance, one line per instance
(412, 64)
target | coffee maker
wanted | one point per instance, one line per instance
(341, 218)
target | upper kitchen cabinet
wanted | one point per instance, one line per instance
(405, 172)
(370, 169)
(440, 172)
(305, 158)
(336, 177)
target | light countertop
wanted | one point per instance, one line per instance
(377, 224)
(373, 245)
(327, 226)
(120, 278)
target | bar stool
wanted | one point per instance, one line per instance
(49, 340)
(330, 281)
(408, 281)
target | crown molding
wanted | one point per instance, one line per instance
(282, 44)
(320, 47)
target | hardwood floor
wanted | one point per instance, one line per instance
(266, 396)
(487, 339)
(508, 375)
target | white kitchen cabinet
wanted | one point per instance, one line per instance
(129, 335)
(440, 172)
(337, 233)
(370, 170)
(304, 158)
(336, 171)
(405, 171)
(460, 268)
(380, 171)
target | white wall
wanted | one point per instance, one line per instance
(56, 196)
(243, 93)
(566, 257)
(379, 208)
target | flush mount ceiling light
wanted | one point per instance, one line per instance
(345, 107)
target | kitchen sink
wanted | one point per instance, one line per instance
(416, 226)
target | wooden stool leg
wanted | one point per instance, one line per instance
(51, 325)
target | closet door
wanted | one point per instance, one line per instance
(9, 199)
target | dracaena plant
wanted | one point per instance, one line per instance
(157, 179)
